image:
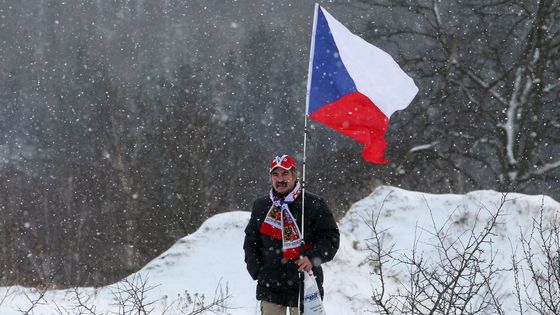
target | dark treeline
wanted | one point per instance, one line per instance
(125, 124)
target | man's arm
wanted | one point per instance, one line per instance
(327, 235)
(252, 245)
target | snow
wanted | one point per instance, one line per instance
(423, 147)
(210, 260)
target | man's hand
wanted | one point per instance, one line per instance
(304, 264)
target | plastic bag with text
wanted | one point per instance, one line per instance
(312, 303)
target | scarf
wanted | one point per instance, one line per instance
(280, 223)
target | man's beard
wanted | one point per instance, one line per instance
(281, 184)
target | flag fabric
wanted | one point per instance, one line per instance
(353, 86)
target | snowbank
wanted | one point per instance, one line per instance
(210, 261)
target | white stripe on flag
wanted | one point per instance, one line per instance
(374, 72)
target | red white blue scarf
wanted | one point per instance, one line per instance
(280, 223)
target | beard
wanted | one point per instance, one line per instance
(280, 184)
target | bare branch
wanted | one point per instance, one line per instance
(461, 276)
(33, 302)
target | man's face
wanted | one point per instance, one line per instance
(282, 180)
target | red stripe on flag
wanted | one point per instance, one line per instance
(357, 117)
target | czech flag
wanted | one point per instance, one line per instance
(353, 86)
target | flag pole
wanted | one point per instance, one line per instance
(309, 73)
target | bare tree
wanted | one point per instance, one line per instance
(458, 269)
(541, 255)
(33, 302)
(457, 276)
(6, 294)
(487, 71)
(131, 296)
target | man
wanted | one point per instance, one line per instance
(273, 238)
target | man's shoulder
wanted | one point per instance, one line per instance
(315, 201)
(312, 197)
(264, 200)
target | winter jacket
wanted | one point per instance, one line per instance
(278, 278)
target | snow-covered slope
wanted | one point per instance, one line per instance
(210, 261)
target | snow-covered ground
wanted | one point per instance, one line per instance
(210, 262)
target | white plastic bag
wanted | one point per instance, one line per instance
(312, 303)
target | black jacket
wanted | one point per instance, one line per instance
(278, 279)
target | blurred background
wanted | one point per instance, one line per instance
(125, 124)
